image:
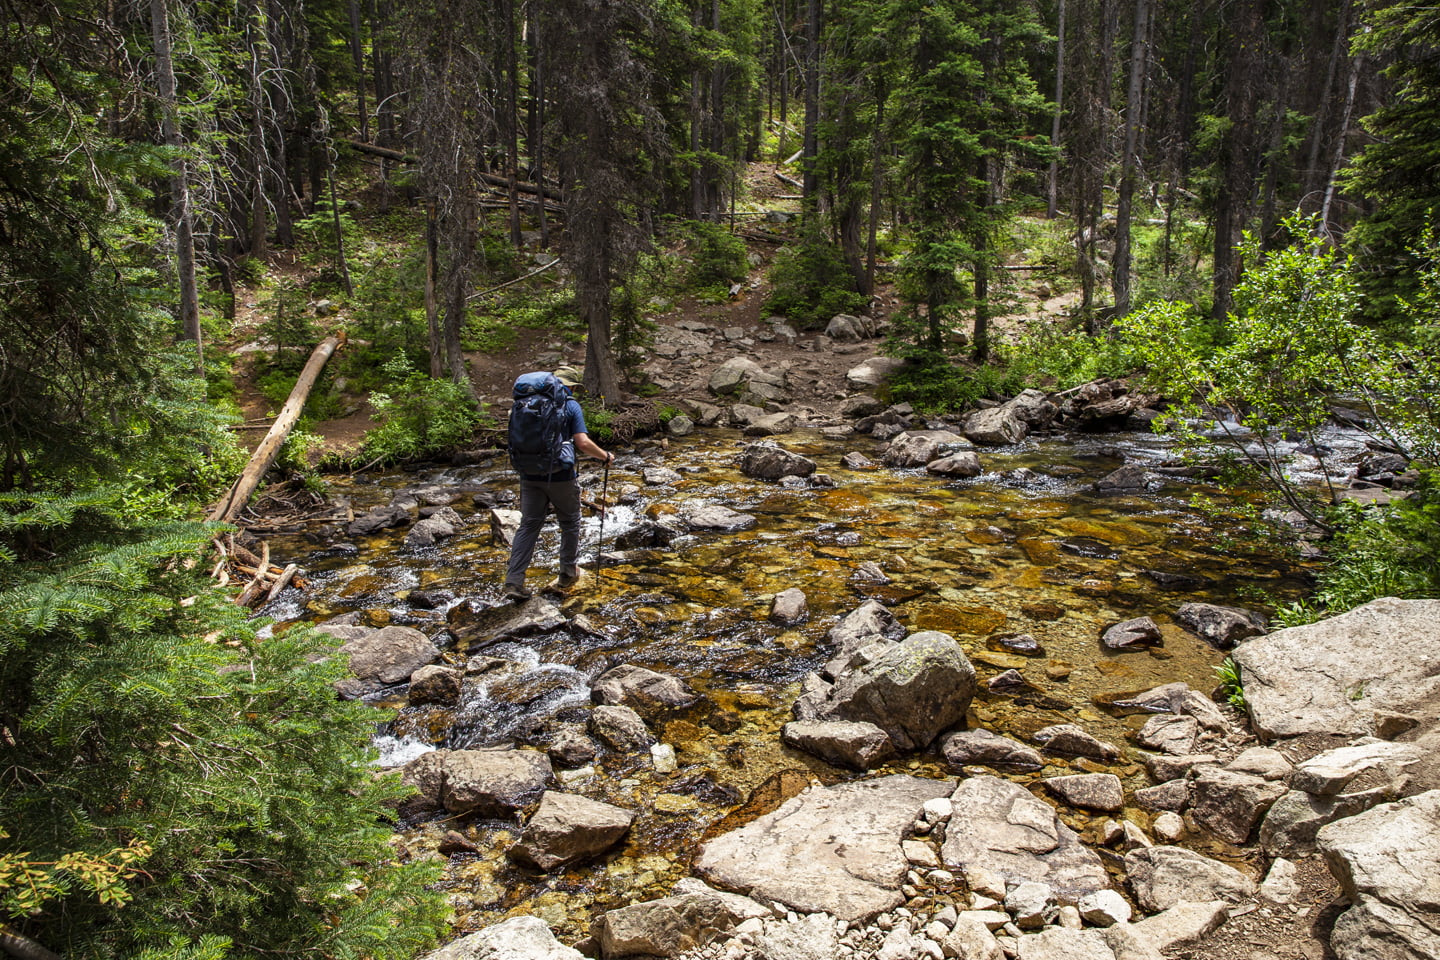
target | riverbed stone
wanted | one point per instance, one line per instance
(660, 476)
(1000, 827)
(1171, 795)
(1088, 791)
(1265, 762)
(868, 622)
(1070, 740)
(1221, 627)
(767, 460)
(620, 728)
(518, 938)
(1169, 733)
(859, 746)
(438, 526)
(860, 405)
(382, 658)
(789, 608)
(645, 691)
(832, 849)
(661, 928)
(972, 940)
(1163, 876)
(1231, 804)
(1104, 908)
(493, 783)
(1164, 768)
(570, 747)
(1059, 943)
(1368, 765)
(916, 448)
(1293, 821)
(966, 463)
(566, 828)
(995, 427)
(1183, 925)
(435, 683)
(985, 748)
(1127, 479)
(713, 516)
(476, 624)
(1033, 407)
(1128, 634)
(913, 691)
(504, 524)
(1344, 674)
(813, 937)
(872, 372)
(1387, 861)
(772, 424)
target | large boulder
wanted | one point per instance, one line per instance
(485, 783)
(873, 372)
(916, 448)
(966, 463)
(845, 327)
(745, 381)
(1162, 877)
(567, 828)
(1000, 827)
(476, 624)
(380, 658)
(1346, 674)
(768, 460)
(1221, 627)
(859, 746)
(661, 928)
(833, 849)
(518, 938)
(1387, 861)
(995, 427)
(1032, 407)
(648, 693)
(913, 691)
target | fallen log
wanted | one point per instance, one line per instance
(265, 454)
(490, 178)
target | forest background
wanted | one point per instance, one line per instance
(1239, 192)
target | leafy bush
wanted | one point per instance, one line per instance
(718, 257)
(811, 282)
(418, 416)
(598, 420)
(1060, 359)
(932, 384)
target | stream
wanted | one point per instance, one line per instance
(1026, 548)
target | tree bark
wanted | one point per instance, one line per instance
(260, 461)
(1134, 107)
(1238, 161)
(812, 99)
(357, 54)
(1052, 190)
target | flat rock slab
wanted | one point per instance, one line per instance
(476, 624)
(832, 849)
(381, 658)
(1162, 877)
(1000, 827)
(1387, 861)
(1089, 791)
(859, 746)
(567, 828)
(712, 516)
(661, 928)
(984, 748)
(1342, 675)
(519, 938)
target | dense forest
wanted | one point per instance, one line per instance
(1243, 180)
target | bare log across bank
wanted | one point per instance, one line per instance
(490, 178)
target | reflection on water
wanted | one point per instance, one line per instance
(1025, 549)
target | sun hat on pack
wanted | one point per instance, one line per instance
(569, 376)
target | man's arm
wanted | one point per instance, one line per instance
(590, 448)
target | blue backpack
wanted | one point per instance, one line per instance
(538, 437)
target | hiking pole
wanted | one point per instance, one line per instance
(604, 505)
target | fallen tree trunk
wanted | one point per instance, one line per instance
(490, 178)
(265, 454)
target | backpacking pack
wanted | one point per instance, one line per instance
(538, 435)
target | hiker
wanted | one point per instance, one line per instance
(547, 428)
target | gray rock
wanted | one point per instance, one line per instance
(916, 448)
(1183, 925)
(859, 746)
(1367, 765)
(650, 535)
(1089, 791)
(1280, 884)
(844, 327)
(857, 461)
(772, 424)
(963, 464)
(661, 928)
(996, 427)
(680, 426)
(832, 849)
(1139, 632)
(741, 908)
(1221, 627)
(1169, 827)
(767, 460)
(377, 519)
(620, 729)
(1162, 877)
(743, 414)
(971, 939)
(426, 532)
(1126, 479)
(1262, 762)
(435, 684)
(476, 624)
(1172, 795)
(913, 691)
(660, 476)
(503, 525)
(1342, 675)
(491, 783)
(732, 377)
(789, 608)
(1032, 407)
(1292, 822)
(872, 372)
(567, 828)
(1059, 943)
(381, 658)
(1169, 733)
(1031, 904)
(1104, 908)
(1165, 768)
(570, 747)
(860, 405)
(1387, 861)
(1000, 827)
(1230, 804)
(1069, 740)
(868, 622)
(984, 748)
(804, 938)
(518, 938)
(713, 516)
(648, 693)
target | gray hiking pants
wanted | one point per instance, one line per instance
(536, 499)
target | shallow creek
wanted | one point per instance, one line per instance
(1035, 553)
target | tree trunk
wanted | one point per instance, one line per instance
(436, 341)
(180, 211)
(458, 286)
(877, 179)
(240, 492)
(1052, 189)
(1134, 107)
(1238, 162)
(255, 29)
(512, 120)
(340, 261)
(1339, 51)
(812, 100)
(357, 54)
(1338, 157)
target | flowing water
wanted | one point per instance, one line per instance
(1026, 548)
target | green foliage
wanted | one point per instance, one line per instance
(717, 256)
(315, 233)
(811, 283)
(389, 312)
(287, 327)
(598, 420)
(1228, 673)
(1051, 357)
(418, 416)
(932, 384)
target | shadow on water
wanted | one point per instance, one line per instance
(1025, 566)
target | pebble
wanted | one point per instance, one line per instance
(938, 877)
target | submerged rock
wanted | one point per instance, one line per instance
(1221, 627)
(767, 460)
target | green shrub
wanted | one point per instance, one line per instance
(717, 256)
(418, 416)
(932, 384)
(598, 420)
(1047, 356)
(811, 283)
